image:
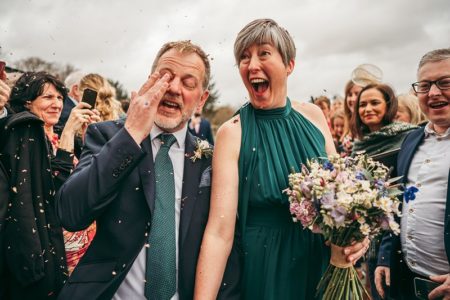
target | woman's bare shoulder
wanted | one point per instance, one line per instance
(307, 109)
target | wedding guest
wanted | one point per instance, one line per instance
(139, 180)
(108, 106)
(376, 133)
(255, 152)
(72, 83)
(337, 104)
(408, 110)
(35, 163)
(200, 127)
(423, 248)
(374, 125)
(361, 77)
(324, 103)
(352, 91)
(337, 128)
(5, 90)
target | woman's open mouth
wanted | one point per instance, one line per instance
(259, 85)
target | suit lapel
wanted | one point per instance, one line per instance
(147, 174)
(191, 177)
(409, 148)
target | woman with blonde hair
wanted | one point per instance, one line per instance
(408, 110)
(107, 104)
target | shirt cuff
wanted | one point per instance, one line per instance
(4, 113)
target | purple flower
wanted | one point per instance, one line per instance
(327, 165)
(339, 213)
(360, 175)
(327, 200)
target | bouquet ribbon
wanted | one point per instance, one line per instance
(338, 258)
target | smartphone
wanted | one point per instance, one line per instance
(89, 97)
(422, 287)
(2, 70)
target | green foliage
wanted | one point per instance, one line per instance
(121, 92)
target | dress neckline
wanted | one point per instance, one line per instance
(275, 113)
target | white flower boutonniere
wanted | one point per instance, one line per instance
(202, 149)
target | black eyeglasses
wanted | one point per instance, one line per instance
(425, 86)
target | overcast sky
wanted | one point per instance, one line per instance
(119, 39)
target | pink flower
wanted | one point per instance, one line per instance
(305, 212)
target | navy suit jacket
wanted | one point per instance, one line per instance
(65, 113)
(390, 250)
(204, 132)
(114, 185)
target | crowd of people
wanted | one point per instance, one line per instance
(102, 203)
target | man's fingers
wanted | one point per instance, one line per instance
(152, 79)
(379, 282)
(437, 292)
(133, 95)
(439, 278)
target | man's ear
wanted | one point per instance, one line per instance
(76, 92)
(203, 99)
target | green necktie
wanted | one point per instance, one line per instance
(161, 253)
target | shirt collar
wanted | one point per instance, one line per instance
(429, 130)
(180, 135)
(73, 100)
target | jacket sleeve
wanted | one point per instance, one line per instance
(109, 155)
(384, 253)
(62, 166)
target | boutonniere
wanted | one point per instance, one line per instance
(410, 193)
(202, 149)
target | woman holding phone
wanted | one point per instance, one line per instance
(36, 162)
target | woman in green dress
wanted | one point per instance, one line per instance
(255, 152)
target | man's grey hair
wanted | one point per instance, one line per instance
(73, 78)
(434, 56)
(262, 31)
(186, 47)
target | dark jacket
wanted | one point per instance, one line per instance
(204, 132)
(32, 261)
(390, 250)
(114, 185)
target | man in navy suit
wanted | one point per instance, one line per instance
(423, 248)
(114, 185)
(72, 83)
(201, 128)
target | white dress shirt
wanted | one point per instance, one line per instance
(422, 222)
(133, 286)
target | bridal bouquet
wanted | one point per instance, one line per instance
(346, 200)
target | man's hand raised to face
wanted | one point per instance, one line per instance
(144, 106)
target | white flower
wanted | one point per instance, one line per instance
(203, 148)
(394, 226)
(365, 229)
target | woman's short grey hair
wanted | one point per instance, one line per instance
(434, 56)
(262, 31)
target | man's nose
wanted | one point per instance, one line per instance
(434, 90)
(174, 86)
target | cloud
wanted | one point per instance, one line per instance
(120, 39)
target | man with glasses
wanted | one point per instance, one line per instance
(422, 250)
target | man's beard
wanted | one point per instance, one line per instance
(169, 124)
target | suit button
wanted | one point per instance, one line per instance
(114, 273)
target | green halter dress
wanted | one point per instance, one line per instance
(282, 260)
